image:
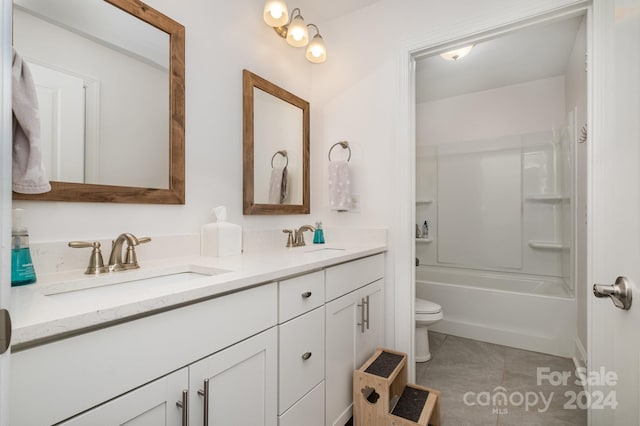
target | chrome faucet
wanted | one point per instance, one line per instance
(131, 260)
(299, 237)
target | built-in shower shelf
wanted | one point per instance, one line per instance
(422, 202)
(424, 240)
(548, 245)
(549, 198)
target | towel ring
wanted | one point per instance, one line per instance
(284, 154)
(344, 145)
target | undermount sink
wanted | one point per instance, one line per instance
(137, 278)
(324, 249)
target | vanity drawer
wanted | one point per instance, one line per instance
(345, 278)
(301, 350)
(309, 411)
(299, 295)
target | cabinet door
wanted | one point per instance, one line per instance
(371, 339)
(354, 330)
(340, 347)
(237, 386)
(151, 405)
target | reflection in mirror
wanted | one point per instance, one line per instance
(276, 124)
(110, 82)
(276, 149)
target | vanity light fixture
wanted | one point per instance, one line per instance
(456, 54)
(294, 30)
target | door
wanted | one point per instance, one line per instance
(614, 355)
(237, 386)
(354, 324)
(340, 349)
(61, 102)
(5, 197)
(153, 404)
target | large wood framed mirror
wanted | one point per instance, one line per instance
(114, 72)
(275, 149)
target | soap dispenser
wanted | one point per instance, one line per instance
(318, 235)
(22, 271)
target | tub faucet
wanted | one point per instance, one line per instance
(299, 237)
(131, 260)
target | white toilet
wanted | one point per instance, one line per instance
(427, 313)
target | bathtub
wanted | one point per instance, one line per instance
(528, 312)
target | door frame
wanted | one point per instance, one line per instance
(5, 189)
(405, 151)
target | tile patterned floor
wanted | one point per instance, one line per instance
(472, 377)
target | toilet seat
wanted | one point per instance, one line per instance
(427, 307)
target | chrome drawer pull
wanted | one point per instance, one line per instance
(306, 355)
(184, 404)
(362, 322)
(205, 394)
(306, 295)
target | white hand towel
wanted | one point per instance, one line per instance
(339, 186)
(29, 176)
(278, 186)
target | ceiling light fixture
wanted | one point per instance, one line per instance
(456, 54)
(294, 30)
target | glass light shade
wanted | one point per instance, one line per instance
(317, 51)
(297, 33)
(276, 13)
(454, 55)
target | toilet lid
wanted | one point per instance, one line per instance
(426, 307)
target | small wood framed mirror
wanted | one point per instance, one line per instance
(275, 149)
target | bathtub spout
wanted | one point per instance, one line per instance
(417, 262)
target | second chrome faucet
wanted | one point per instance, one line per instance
(296, 237)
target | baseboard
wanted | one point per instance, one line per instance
(515, 339)
(580, 359)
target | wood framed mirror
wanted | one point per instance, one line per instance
(131, 148)
(275, 149)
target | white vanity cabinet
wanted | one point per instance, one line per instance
(276, 354)
(301, 350)
(54, 382)
(354, 329)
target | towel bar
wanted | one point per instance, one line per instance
(344, 145)
(284, 154)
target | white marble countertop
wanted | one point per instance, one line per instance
(38, 317)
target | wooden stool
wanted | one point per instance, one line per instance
(381, 396)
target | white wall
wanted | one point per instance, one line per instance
(218, 47)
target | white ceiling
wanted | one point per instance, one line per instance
(315, 11)
(524, 55)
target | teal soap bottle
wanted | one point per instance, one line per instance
(318, 235)
(22, 271)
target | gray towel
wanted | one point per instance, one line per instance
(29, 176)
(278, 186)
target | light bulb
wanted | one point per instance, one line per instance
(275, 13)
(297, 33)
(316, 51)
(456, 54)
